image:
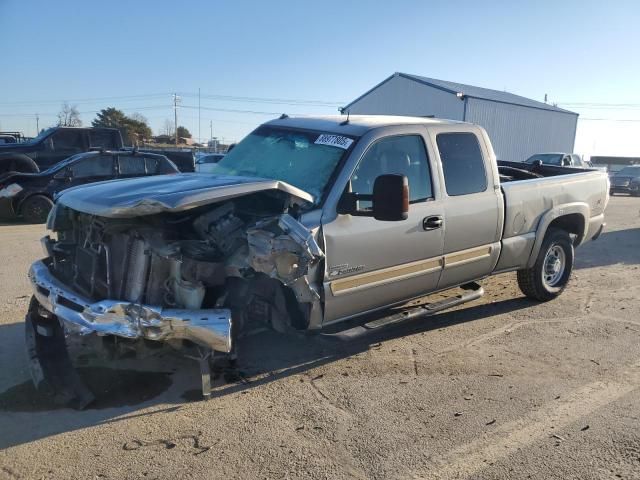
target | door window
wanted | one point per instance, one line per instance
(158, 166)
(101, 166)
(462, 163)
(404, 155)
(130, 165)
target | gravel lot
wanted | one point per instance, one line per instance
(500, 388)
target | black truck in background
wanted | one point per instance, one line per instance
(59, 143)
(54, 145)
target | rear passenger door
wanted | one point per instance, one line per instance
(473, 208)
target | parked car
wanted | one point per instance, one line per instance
(626, 180)
(205, 162)
(54, 145)
(31, 195)
(305, 224)
(559, 159)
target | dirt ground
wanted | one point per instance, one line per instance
(502, 388)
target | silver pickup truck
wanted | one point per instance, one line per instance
(307, 222)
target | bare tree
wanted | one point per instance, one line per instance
(167, 128)
(138, 117)
(69, 116)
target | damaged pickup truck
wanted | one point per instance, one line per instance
(308, 222)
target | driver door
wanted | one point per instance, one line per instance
(370, 263)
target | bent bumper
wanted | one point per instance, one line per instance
(208, 327)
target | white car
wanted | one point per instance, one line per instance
(205, 162)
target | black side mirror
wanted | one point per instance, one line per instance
(389, 201)
(391, 198)
(566, 162)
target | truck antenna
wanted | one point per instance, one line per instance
(347, 120)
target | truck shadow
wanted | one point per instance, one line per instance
(126, 393)
(618, 246)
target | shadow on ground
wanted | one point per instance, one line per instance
(171, 380)
(616, 247)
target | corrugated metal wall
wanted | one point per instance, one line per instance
(400, 96)
(518, 132)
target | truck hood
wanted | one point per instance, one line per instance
(15, 147)
(166, 193)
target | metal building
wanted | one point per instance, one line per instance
(518, 126)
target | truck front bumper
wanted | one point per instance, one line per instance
(210, 328)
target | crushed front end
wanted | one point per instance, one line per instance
(196, 278)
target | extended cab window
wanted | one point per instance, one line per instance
(462, 163)
(101, 166)
(68, 141)
(404, 155)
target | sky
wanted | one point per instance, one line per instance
(252, 60)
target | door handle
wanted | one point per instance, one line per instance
(432, 223)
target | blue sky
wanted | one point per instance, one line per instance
(132, 55)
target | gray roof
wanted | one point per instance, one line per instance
(357, 125)
(473, 92)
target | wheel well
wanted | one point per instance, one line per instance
(572, 223)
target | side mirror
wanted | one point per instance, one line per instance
(566, 162)
(391, 198)
(389, 201)
(64, 174)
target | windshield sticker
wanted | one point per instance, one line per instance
(334, 141)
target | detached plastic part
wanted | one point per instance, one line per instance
(51, 369)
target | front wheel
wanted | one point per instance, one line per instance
(36, 209)
(551, 272)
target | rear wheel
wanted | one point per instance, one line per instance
(551, 272)
(36, 209)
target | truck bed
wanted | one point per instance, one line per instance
(549, 192)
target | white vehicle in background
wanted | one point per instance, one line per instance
(559, 159)
(205, 162)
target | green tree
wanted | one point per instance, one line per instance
(134, 129)
(183, 132)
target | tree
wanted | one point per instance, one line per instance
(69, 116)
(134, 129)
(167, 128)
(183, 132)
(110, 118)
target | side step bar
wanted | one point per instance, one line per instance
(473, 291)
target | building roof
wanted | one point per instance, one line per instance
(472, 92)
(357, 125)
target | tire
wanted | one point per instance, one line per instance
(19, 163)
(36, 209)
(550, 274)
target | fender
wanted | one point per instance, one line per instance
(17, 162)
(559, 211)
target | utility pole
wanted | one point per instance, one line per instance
(211, 128)
(37, 124)
(175, 116)
(199, 137)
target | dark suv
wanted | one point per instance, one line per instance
(54, 145)
(626, 180)
(31, 195)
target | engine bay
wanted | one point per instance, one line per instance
(249, 255)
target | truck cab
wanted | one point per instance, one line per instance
(54, 145)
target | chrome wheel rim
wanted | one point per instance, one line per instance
(554, 265)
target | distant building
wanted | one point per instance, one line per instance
(518, 126)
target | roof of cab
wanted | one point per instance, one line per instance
(358, 124)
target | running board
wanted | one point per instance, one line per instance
(473, 292)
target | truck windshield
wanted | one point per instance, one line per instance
(546, 158)
(304, 159)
